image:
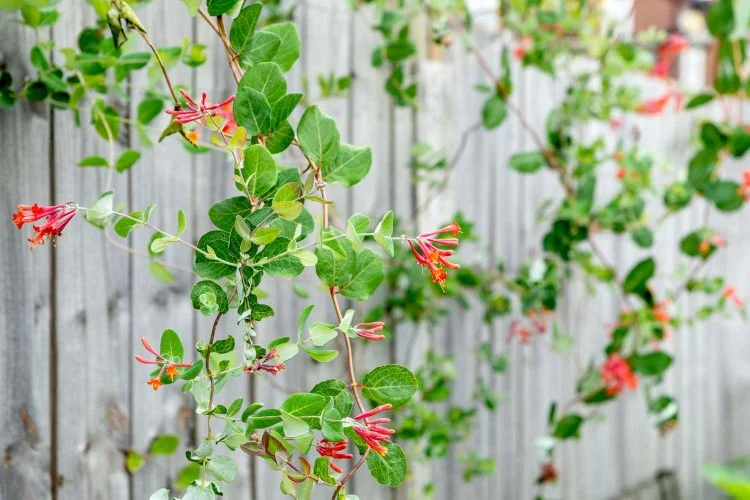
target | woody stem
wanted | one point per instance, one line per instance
(161, 65)
(334, 299)
(209, 374)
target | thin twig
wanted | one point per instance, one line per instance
(449, 168)
(163, 68)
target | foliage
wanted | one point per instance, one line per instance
(279, 224)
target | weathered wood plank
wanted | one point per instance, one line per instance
(25, 306)
(162, 176)
(92, 284)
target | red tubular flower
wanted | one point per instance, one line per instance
(661, 313)
(433, 258)
(667, 53)
(371, 430)
(334, 450)
(266, 364)
(730, 293)
(370, 331)
(166, 365)
(196, 112)
(56, 218)
(225, 112)
(547, 473)
(744, 189)
(617, 375)
(520, 50)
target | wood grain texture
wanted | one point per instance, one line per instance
(101, 300)
(92, 313)
(25, 307)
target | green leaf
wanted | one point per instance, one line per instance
(133, 221)
(388, 469)
(306, 406)
(160, 273)
(193, 371)
(263, 419)
(224, 213)
(93, 161)
(267, 79)
(166, 444)
(134, 461)
(283, 108)
(568, 426)
(338, 392)
(243, 27)
(494, 112)
(651, 364)
(127, 160)
(294, 427)
(333, 428)
(148, 109)
(223, 346)
(351, 166)
(322, 333)
(100, 210)
(383, 231)
(171, 346)
(321, 355)
(287, 266)
(393, 384)
(265, 235)
(259, 170)
(318, 137)
(699, 100)
(368, 273)
(725, 195)
(526, 163)
(200, 294)
(221, 468)
(252, 111)
(639, 275)
(250, 410)
(320, 469)
(225, 246)
(289, 49)
(219, 7)
(643, 237)
(235, 407)
(263, 46)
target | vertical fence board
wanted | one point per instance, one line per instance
(93, 314)
(162, 176)
(25, 294)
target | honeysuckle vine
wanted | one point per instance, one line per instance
(259, 234)
(576, 43)
(269, 229)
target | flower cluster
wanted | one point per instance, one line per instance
(730, 294)
(197, 112)
(372, 431)
(433, 258)
(667, 53)
(166, 365)
(266, 364)
(335, 450)
(57, 217)
(617, 375)
(370, 331)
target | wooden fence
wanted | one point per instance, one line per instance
(70, 317)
